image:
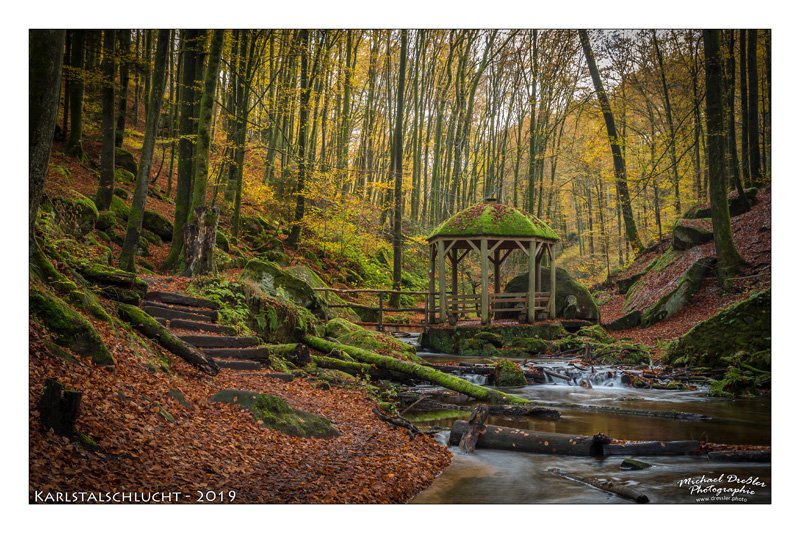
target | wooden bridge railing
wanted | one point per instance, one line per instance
(380, 308)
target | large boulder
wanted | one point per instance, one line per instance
(572, 298)
(677, 298)
(158, 225)
(76, 213)
(330, 298)
(687, 235)
(283, 285)
(124, 159)
(736, 205)
(742, 326)
(259, 235)
(354, 335)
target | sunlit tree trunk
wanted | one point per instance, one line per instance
(397, 170)
(305, 94)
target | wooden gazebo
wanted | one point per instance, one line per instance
(493, 230)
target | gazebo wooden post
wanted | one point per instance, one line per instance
(484, 282)
(454, 279)
(497, 269)
(432, 287)
(552, 304)
(440, 253)
(533, 247)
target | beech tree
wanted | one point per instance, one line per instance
(106, 188)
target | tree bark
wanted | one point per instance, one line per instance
(76, 88)
(200, 239)
(305, 95)
(729, 260)
(105, 189)
(476, 426)
(620, 175)
(124, 43)
(130, 245)
(45, 56)
(397, 170)
(506, 438)
(753, 144)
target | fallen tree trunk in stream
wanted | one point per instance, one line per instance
(741, 456)
(503, 438)
(476, 426)
(151, 328)
(667, 447)
(610, 409)
(421, 372)
(533, 411)
(605, 485)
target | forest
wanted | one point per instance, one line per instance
(246, 245)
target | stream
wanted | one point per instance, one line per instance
(495, 476)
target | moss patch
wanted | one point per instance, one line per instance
(354, 335)
(508, 374)
(451, 339)
(493, 219)
(275, 413)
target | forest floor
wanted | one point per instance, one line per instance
(752, 234)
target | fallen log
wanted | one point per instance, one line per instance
(667, 447)
(476, 426)
(605, 485)
(421, 372)
(398, 421)
(677, 415)
(742, 456)
(555, 374)
(535, 411)
(151, 328)
(503, 438)
(295, 353)
(463, 369)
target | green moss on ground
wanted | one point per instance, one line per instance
(622, 352)
(275, 413)
(354, 335)
(597, 333)
(283, 285)
(451, 339)
(76, 213)
(531, 345)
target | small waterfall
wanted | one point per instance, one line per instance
(477, 379)
(573, 375)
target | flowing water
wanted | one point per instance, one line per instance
(496, 476)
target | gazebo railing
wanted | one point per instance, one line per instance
(501, 304)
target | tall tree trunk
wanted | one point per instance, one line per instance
(130, 247)
(124, 43)
(728, 258)
(671, 126)
(730, 118)
(620, 175)
(397, 170)
(45, 57)
(76, 88)
(305, 95)
(752, 107)
(200, 182)
(743, 106)
(105, 189)
(191, 48)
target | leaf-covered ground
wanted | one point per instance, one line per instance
(215, 446)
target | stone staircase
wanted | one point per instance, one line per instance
(194, 320)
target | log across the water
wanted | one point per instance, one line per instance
(605, 485)
(504, 438)
(667, 447)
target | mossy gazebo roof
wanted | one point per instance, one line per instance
(492, 219)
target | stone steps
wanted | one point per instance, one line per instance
(218, 342)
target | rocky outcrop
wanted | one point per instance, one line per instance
(124, 159)
(677, 298)
(686, 235)
(281, 284)
(573, 300)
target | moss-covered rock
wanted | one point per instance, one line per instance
(597, 333)
(69, 328)
(686, 236)
(622, 352)
(276, 321)
(330, 298)
(748, 374)
(451, 339)
(124, 159)
(736, 205)
(478, 348)
(742, 326)
(119, 208)
(275, 413)
(122, 175)
(76, 213)
(572, 298)
(351, 334)
(628, 321)
(259, 235)
(108, 275)
(222, 241)
(531, 345)
(489, 337)
(122, 193)
(283, 285)
(105, 220)
(677, 298)
(158, 224)
(508, 374)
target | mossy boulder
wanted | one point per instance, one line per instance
(125, 160)
(259, 235)
(622, 352)
(508, 374)
(531, 345)
(76, 213)
(597, 333)
(122, 175)
(276, 321)
(742, 326)
(628, 321)
(284, 285)
(122, 193)
(748, 374)
(488, 337)
(275, 413)
(478, 348)
(119, 208)
(222, 242)
(351, 334)
(582, 305)
(451, 340)
(69, 327)
(330, 298)
(686, 236)
(158, 224)
(105, 220)
(736, 205)
(687, 285)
